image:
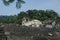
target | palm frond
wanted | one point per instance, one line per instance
(18, 2)
(7, 2)
(18, 5)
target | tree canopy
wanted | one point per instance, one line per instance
(31, 14)
(39, 15)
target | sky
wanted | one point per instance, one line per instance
(30, 4)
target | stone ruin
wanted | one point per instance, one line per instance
(18, 32)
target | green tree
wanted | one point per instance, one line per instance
(51, 14)
(20, 16)
(42, 14)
